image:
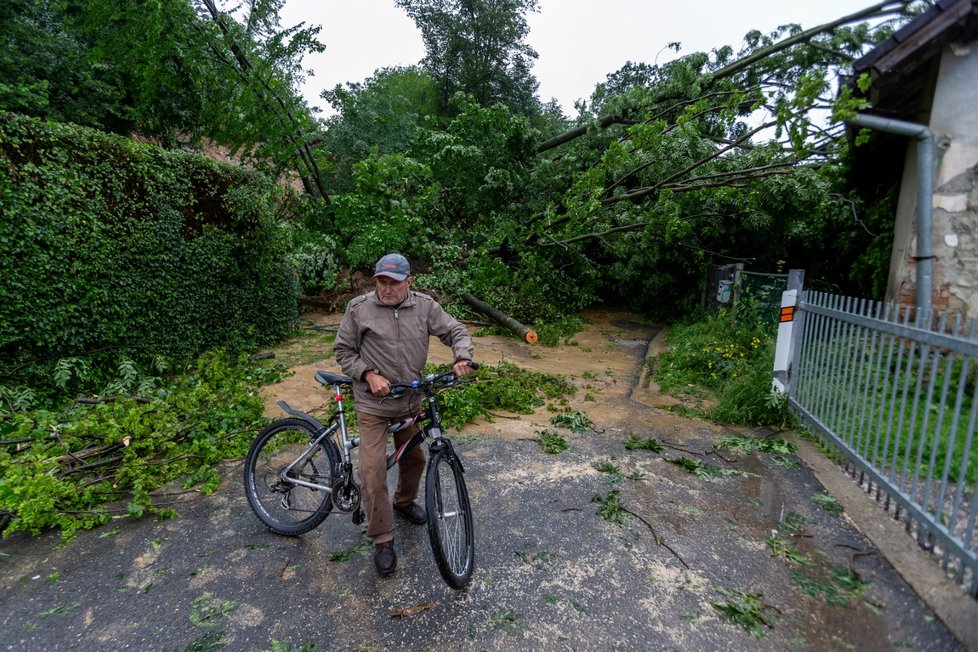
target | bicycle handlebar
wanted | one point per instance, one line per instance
(430, 382)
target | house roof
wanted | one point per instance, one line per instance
(904, 71)
(903, 67)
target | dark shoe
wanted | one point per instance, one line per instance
(384, 558)
(412, 512)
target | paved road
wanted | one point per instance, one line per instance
(552, 573)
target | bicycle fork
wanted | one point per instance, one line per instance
(345, 490)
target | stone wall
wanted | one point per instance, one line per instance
(954, 123)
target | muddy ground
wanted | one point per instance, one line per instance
(691, 567)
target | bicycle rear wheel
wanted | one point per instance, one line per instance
(449, 518)
(270, 482)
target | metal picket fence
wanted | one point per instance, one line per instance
(894, 390)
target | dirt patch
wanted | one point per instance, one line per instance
(604, 360)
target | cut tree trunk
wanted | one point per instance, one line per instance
(525, 333)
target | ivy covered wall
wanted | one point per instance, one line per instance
(109, 247)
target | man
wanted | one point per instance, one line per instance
(383, 338)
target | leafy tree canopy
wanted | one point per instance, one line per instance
(478, 47)
(712, 157)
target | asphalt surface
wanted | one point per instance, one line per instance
(552, 573)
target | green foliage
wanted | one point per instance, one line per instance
(563, 328)
(704, 470)
(286, 645)
(508, 620)
(444, 162)
(610, 468)
(63, 469)
(711, 352)
(574, 421)
(478, 47)
(748, 610)
(551, 441)
(206, 610)
(313, 256)
(378, 116)
(169, 69)
(119, 251)
(780, 548)
(363, 549)
(648, 444)
(730, 357)
(393, 207)
(838, 588)
(501, 387)
(610, 508)
(828, 503)
(747, 445)
(45, 70)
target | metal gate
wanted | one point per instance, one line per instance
(894, 390)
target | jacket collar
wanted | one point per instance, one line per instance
(408, 302)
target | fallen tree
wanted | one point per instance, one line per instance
(525, 333)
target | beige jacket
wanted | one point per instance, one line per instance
(393, 340)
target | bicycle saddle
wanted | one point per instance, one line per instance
(329, 378)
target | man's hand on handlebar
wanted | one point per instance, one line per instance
(464, 368)
(379, 386)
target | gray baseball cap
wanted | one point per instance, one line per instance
(395, 266)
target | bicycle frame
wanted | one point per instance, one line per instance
(427, 418)
(292, 460)
(431, 431)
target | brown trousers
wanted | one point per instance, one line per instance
(373, 473)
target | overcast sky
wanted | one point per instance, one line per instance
(579, 42)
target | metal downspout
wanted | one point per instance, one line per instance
(925, 195)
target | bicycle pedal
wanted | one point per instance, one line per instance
(359, 517)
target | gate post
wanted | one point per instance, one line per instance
(790, 328)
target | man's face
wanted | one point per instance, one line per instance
(392, 292)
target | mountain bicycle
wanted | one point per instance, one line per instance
(299, 469)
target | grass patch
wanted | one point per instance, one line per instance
(728, 356)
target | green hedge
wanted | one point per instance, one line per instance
(112, 248)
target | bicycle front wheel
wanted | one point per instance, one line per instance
(281, 458)
(449, 518)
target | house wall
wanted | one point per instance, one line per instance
(954, 123)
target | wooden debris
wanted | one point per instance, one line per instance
(410, 611)
(525, 333)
